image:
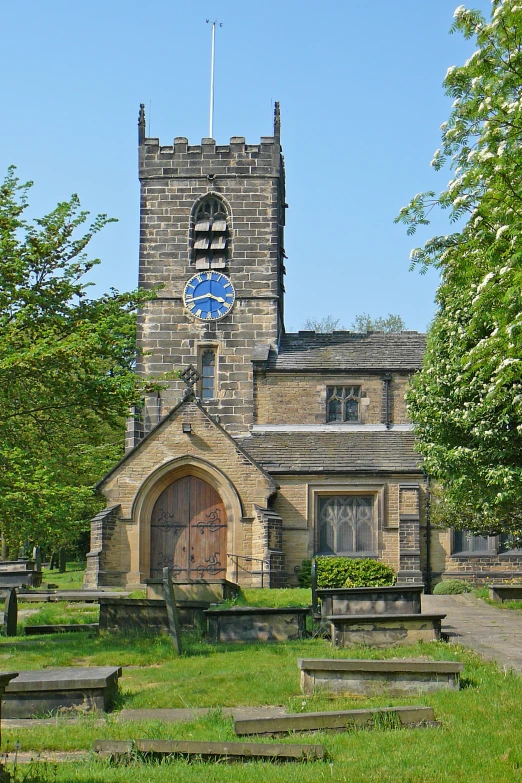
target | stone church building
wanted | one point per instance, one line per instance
(272, 447)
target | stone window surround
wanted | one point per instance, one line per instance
(192, 223)
(316, 490)
(364, 401)
(201, 348)
(493, 547)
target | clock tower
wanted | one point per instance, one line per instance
(211, 239)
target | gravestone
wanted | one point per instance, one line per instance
(62, 564)
(37, 557)
(172, 611)
(10, 615)
(49, 690)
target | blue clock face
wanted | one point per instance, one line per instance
(209, 295)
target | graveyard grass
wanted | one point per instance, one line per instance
(479, 740)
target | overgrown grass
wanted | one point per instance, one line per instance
(257, 596)
(479, 741)
(483, 593)
(71, 579)
(57, 613)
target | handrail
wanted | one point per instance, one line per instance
(247, 559)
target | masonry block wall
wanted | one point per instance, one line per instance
(249, 178)
(300, 398)
(164, 453)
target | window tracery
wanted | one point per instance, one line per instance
(343, 403)
(346, 524)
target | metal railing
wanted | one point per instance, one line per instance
(247, 559)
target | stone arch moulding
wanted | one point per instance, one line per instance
(154, 485)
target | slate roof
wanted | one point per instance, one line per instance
(336, 452)
(349, 351)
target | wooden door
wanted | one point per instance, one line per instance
(189, 531)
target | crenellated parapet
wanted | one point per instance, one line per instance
(210, 160)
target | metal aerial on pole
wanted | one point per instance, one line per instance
(212, 59)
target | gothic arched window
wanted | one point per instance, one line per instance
(210, 234)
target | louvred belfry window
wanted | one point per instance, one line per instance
(210, 235)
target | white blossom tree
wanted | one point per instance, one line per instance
(467, 401)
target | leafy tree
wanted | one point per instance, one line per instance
(323, 325)
(361, 323)
(365, 323)
(467, 401)
(66, 371)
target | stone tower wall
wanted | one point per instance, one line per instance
(250, 181)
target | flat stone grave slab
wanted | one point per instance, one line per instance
(71, 596)
(393, 717)
(150, 615)
(384, 630)
(505, 592)
(256, 624)
(46, 690)
(397, 599)
(213, 750)
(370, 677)
(40, 630)
(184, 715)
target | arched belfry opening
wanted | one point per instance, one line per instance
(188, 531)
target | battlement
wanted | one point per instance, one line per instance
(208, 159)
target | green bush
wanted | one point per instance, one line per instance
(346, 572)
(451, 587)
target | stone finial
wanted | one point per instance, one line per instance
(277, 121)
(141, 124)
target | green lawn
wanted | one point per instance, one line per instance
(479, 740)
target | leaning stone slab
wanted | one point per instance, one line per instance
(337, 721)
(256, 624)
(505, 592)
(384, 630)
(213, 750)
(47, 690)
(210, 590)
(369, 677)
(397, 599)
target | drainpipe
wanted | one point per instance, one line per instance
(428, 536)
(387, 380)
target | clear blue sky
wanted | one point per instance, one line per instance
(359, 83)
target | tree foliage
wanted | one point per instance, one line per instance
(365, 323)
(66, 371)
(361, 323)
(467, 401)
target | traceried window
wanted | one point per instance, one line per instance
(208, 374)
(210, 234)
(467, 544)
(342, 403)
(345, 525)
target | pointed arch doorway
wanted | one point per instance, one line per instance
(189, 531)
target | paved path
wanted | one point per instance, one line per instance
(496, 634)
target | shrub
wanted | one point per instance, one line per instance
(346, 572)
(451, 587)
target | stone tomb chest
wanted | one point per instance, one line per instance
(368, 678)
(256, 624)
(397, 599)
(36, 693)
